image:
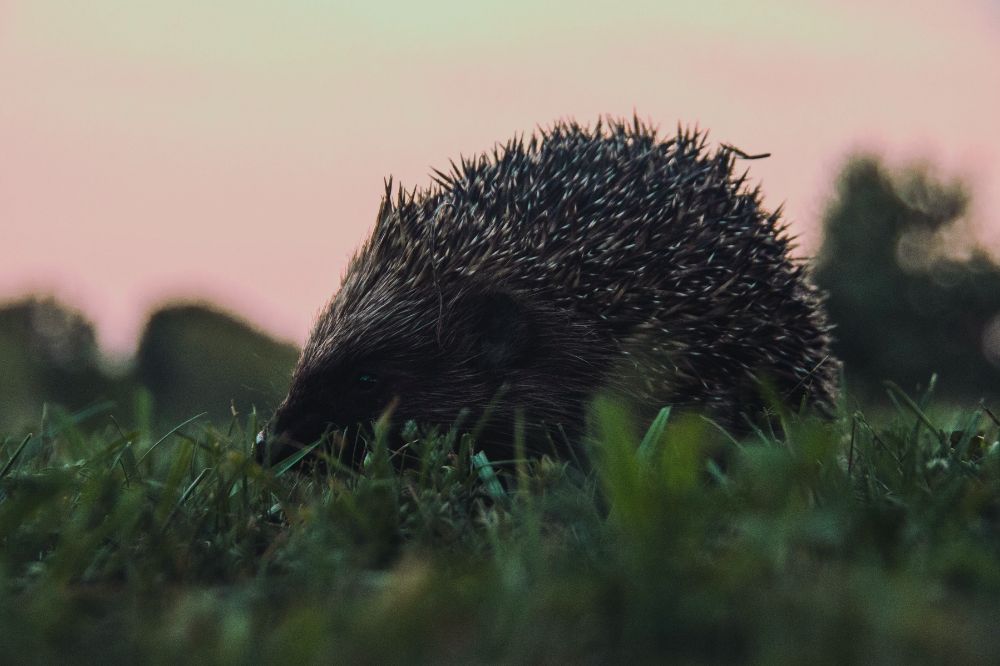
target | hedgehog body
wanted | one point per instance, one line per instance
(576, 261)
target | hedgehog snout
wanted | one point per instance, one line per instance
(270, 448)
(287, 432)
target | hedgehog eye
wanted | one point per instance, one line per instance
(366, 381)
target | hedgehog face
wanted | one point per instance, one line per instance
(423, 359)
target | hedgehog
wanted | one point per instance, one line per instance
(582, 260)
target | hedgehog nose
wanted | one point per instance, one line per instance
(260, 446)
(270, 448)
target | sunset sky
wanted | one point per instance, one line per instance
(235, 150)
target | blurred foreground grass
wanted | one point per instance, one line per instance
(828, 543)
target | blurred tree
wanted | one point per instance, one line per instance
(48, 353)
(905, 307)
(194, 359)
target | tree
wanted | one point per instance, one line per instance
(48, 353)
(905, 302)
(194, 358)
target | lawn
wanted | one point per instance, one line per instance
(813, 542)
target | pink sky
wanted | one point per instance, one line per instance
(235, 151)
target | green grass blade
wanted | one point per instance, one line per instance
(14, 456)
(489, 476)
(167, 436)
(653, 436)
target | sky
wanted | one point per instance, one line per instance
(235, 151)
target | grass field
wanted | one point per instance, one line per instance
(829, 543)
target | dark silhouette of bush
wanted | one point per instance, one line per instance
(48, 353)
(194, 358)
(904, 306)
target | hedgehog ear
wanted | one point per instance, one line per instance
(502, 330)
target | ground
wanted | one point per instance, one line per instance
(842, 542)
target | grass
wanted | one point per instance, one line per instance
(827, 543)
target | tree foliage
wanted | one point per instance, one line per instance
(192, 358)
(906, 302)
